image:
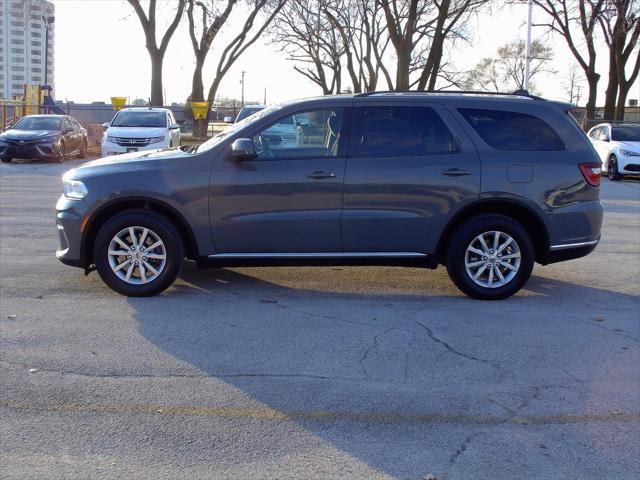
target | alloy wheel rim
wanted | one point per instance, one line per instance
(137, 255)
(492, 259)
(612, 168)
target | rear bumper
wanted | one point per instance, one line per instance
(560, 253)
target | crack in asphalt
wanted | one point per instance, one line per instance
(620, 334)
(365, 355)
(452, 349)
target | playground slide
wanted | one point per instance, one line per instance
(52, 107)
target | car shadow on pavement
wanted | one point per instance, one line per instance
(332, 351)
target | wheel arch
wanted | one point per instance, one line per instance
(116, 206)
(518, 211)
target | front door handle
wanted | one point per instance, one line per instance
(318, 175)
(456, 172)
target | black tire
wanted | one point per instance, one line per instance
(83, 149)
(612, 169)
(5, 160)
(159, 226)
(463, 237)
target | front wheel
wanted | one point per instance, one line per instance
(83, 149)
(612, 169)
(59, 155)
(5, 159)
(490, 257)
(138, 253)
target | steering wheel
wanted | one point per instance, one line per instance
(262, 147)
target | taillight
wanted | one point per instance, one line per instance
(591, 173)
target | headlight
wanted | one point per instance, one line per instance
(156, 139)
(629, 153)
(74, 188)
(112, 139)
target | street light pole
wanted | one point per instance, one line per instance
(242, 82)
(47, 22)
(528, 59)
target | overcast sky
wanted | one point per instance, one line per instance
(100, 52)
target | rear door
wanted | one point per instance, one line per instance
(409, 168)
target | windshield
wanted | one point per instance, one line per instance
(139, 119)
(213, 141)
(625, 134)
(38, 123)
(247, 112)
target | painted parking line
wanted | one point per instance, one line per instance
(320, 416)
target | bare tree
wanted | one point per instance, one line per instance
(203, 33)
(620, 23)
(572, 84)
(307, 36)
(156, 52)
(564, 17)
(506, 72)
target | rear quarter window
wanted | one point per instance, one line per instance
(505, 130)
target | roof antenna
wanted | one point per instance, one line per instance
(521, 91)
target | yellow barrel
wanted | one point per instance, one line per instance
(199, 110)
(118, 102)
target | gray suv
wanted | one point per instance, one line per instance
(483, 184)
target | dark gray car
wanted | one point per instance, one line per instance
(484, 184)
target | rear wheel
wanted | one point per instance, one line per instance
(490, 257)
(138, 253)
(83, 149)
(612, 169)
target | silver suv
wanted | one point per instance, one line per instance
(484, 184)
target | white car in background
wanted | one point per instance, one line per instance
(618, 146)
(135, 129)
(284, 134)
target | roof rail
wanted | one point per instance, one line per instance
(518, 93)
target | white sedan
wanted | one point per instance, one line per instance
(618, 146)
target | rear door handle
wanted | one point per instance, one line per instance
(456, 172)
(318, 175)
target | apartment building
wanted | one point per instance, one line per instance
(22, 45)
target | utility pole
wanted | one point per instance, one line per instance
(242, 82)
(47, 22)
(528, 59)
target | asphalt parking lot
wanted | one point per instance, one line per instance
(301, 373)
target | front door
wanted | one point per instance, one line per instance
(409, 168)
(289, 198)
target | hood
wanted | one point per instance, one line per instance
(126, 161)
(136, 132)
(633, 146)
(28, 134)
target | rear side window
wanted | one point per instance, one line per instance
(512, 130)
(381, 131)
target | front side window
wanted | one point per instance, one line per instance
(506, 130)
(625, 134)
(381, 131)
(140, 119)
(309, 134)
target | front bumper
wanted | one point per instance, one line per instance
(108, 148)
(69, 221)
(34, 150)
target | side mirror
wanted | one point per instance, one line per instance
(228, 119)
(604, 137)
(173, 126)
(243, 149)
(105, 125)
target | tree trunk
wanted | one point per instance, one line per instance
(592, 80)
(622, 100)
(612, 88)
(197, 95)
(156, 78)
(402, 71)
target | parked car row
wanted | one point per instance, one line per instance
(58, 137)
